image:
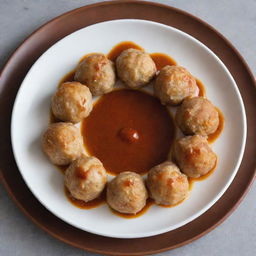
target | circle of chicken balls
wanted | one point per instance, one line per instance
(167, 183)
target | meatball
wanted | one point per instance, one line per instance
(62, 143)
(98, 73)
(194, 156)
(85, 178)
(174, 84)
(197, 116)
(135, 68)
(167, 185)
(126, 193)
(72, 102)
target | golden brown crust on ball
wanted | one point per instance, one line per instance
(72, 102)
(126, 193)
(167, 185)
(97, 72)
(135, 68)
(194, 156)
(173, 84)
(85, 178)
(62, 143)
(197, 116)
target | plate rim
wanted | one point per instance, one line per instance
(148, 233)
(171, 9)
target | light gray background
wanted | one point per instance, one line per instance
(236, 20)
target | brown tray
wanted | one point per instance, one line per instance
(21, 61)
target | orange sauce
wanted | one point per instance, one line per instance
(69, 77)
(138, 214)
(117, 49)
(161, 60)
(136, 133)
(201, 88)
(86, 205)
(212, 137)
(190, 184)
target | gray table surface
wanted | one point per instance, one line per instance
(236, 20)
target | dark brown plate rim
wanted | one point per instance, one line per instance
(226, 54)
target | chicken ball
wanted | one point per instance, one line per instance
(174, 84)
(194, 156)
(166, 184)
(85, 178)
(97, 72)
(62, 143)
(135, 68)
(126, 193)
(72, 102)
(197, 116)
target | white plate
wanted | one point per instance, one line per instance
(31, 115)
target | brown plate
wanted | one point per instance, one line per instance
(19, 64)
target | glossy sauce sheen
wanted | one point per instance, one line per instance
(161, 60)
(129, 130)
(69, 77)
(116, 50)
(201, 88)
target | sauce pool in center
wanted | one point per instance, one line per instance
(129, 130)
